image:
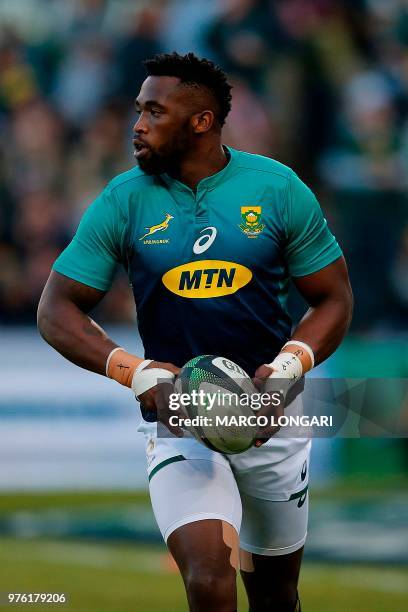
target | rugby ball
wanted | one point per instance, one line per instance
(214, 397)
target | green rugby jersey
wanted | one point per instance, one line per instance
(209, 269)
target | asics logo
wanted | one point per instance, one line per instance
(205, 241)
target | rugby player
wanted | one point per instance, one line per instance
(210, 237)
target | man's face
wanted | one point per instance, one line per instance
(163, 133)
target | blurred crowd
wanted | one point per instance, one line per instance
(321, 85)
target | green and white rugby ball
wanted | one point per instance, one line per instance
(216, 393)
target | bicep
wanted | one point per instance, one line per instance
(331, 282)
(62, 289)
(97, 247)
(309, 244)
(64, 324)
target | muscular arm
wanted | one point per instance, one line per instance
(64, 324)
(330, 298)
(323, 327)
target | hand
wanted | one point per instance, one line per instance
(156, 398)
(260, 380)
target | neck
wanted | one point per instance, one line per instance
(204, 161)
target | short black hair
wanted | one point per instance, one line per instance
(195, 71)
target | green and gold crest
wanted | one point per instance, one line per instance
(251, 224)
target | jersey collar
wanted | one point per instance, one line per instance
(209, 182)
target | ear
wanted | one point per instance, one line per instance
(202, 122)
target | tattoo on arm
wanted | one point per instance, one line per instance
(121, 366)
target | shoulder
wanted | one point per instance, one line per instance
(127, 191)
(129, 181)
(265, 167)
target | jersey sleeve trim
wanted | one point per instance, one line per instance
(319, 265)
(310, 246)
(90, 281)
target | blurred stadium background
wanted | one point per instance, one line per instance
(321, 85)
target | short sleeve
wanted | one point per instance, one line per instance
(96, 249)
(310, 245)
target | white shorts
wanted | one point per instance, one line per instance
(276, 471)
(253, 491)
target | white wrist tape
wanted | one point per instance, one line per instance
(143, 364)
(303, 346)
(287, 369)
(286, 365)
(143, 379)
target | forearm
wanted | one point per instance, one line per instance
(78, 338)
(75, 335)
(324, 326)
(64, 323)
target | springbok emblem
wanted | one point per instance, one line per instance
(160, 227)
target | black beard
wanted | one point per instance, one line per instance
(168, 158)
(156, 163)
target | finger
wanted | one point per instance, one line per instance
(258, 382)
(172, 368)
(275, 406)
(272, 412)
(164, 418)
(147, 406)
(164, 390)
(148, 399)
(166, 366)
(164, 415)
(264, 434)
(155, 400)
(263, 371)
